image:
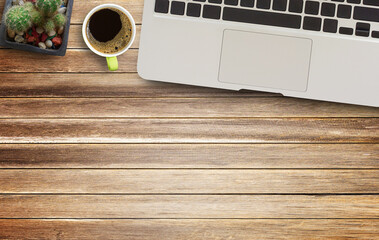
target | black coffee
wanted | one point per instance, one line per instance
(105, 25)
(109, 30)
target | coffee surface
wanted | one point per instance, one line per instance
(105, 25)
(109, 30)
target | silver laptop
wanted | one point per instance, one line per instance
(325, 50)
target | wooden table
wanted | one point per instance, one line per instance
(89, 154)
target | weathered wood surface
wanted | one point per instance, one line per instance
(191, 156)
(189, 181)
(97, 85)
(177, 107)
(275, 130)
(195, 229)
(75, 60)
(189, 206)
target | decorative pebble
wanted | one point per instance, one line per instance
(49, 43)
(11, 33)
(62, 10)
(19, 38)
(57, 41)
(42, 45)
(21, 2)
(20, 33)
(60, 30)
(39, 30)
(43, 37)
(51, 33)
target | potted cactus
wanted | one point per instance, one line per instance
(36, 25)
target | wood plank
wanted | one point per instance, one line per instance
(104, 85)
(177, 107)
(82, 7)
(189, 206)
(73, 61)
(190, 156)
(243, 130)
(195, 229)
(49, 181)
(76, 38)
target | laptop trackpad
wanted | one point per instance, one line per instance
(264, 60)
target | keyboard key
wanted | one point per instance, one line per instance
(279, 5)
(212, 12)
(312, 7)
(199, 0)
(330, 25)
(247, 3)
(312, 23)
(177, 8)
(362, 29)
(215, 1)
(296, 6)
(264, 4)
(328, 9)
(354, 1)
(161, 6)
(366, 14)
(346, 31)
(375, 34)
(231, 2)
(193, 10)
(371, 2)
(261, 17)
(344, 11)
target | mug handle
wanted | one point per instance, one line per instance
(112, 63)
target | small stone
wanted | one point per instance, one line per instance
(43, 37)
(49, 43)
(57, 41)
(20, 33)
(42, 45)
(31, 39)
(51, 33)
(60, 30)
(62, 10)
(19, 38)
(11, 33)
(21, 2)
(39, 30)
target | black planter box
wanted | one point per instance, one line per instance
(5, 41)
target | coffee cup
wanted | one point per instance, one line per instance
(109, 31)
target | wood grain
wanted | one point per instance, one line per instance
(82, 7)
(195, 229)
(310, 156)
(75, 60)
(178, 107)
(49, 181)
(255, 130)
(99, 85)
(189, 206)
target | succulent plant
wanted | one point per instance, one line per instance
(49, 25)
(48, 7)
(18, 18)
(36, 17)
(59, 19)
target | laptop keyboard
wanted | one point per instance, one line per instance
(347, 17)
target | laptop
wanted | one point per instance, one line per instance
(324, 50)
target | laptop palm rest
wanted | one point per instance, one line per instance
(264, 60)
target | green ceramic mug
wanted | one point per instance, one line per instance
(111, 58)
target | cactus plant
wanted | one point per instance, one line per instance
(36, 17)
(48, 7)
(18, 19)
(59, 19)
